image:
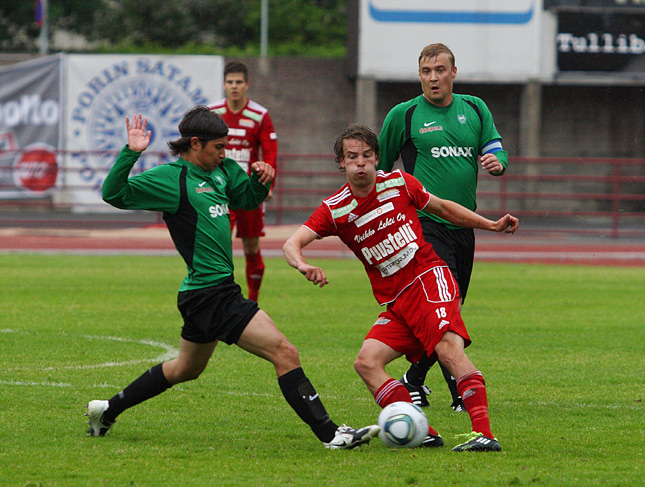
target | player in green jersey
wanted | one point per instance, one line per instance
(443, 138)
(195, 194)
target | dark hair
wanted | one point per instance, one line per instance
(358, 132)
(236, 67)
(433, 50)
(198, 122)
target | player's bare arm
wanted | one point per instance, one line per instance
(463, 217)
(138, 138)
(264, 171)
(491, 164)
(292, 250)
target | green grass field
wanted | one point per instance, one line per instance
(561, 348)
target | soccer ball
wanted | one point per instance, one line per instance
(403, 425)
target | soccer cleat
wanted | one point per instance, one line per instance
(95, 411)
(458, 405)
(478, 442)
(419, 394)
(347, 438)
(432, 441)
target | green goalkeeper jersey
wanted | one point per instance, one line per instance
(195, 205)
(440, 145)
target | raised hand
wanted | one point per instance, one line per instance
(138, 138)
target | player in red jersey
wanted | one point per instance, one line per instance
(250, 129)
(375, 215)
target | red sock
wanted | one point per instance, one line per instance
(472, 389)
(394, 391)
(254, 273)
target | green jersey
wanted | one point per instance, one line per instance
(440, 145)
(195, 205)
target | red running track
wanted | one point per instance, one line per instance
(490, 247)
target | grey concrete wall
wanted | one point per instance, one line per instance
(312, 100)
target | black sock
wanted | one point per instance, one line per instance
(304, 400)
(451, 381)
(417, 372)
(149, 384)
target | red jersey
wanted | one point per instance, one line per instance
(382, 229)
(248, 130)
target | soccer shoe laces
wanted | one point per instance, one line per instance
(343, 428)
(468, 436)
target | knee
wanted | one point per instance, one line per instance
(364, 365)
(286, 353)
(450, 352)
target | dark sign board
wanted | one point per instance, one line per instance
(601, 41)
(581, 4)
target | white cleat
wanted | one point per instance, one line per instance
(98, 425)
(347, 438)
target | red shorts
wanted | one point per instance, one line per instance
(416, 321)
(249, 223)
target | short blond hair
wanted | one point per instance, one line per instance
(433, 50)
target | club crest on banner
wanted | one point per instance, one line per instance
(103, 90)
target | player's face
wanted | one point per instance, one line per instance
(436, 75)
(235, 87)
(210, 155)
(359, 161)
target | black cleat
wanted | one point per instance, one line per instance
(458, 405)
(432, 441)
(419, 394)
(478, 442)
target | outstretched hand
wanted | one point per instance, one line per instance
(507, 224)
(138, 138)
(314, 274)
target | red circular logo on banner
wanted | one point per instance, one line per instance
(36, 168)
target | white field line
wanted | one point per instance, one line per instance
(169, 353)
(172, 352)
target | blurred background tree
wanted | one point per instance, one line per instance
(296, 27)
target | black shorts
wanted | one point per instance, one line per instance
(456, 248)
(215, 313)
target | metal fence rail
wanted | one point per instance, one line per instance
(578, 196)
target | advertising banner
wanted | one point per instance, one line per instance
(591, 4)
(601, 42)
(101, 90)
(30, 134)
(496, 40)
